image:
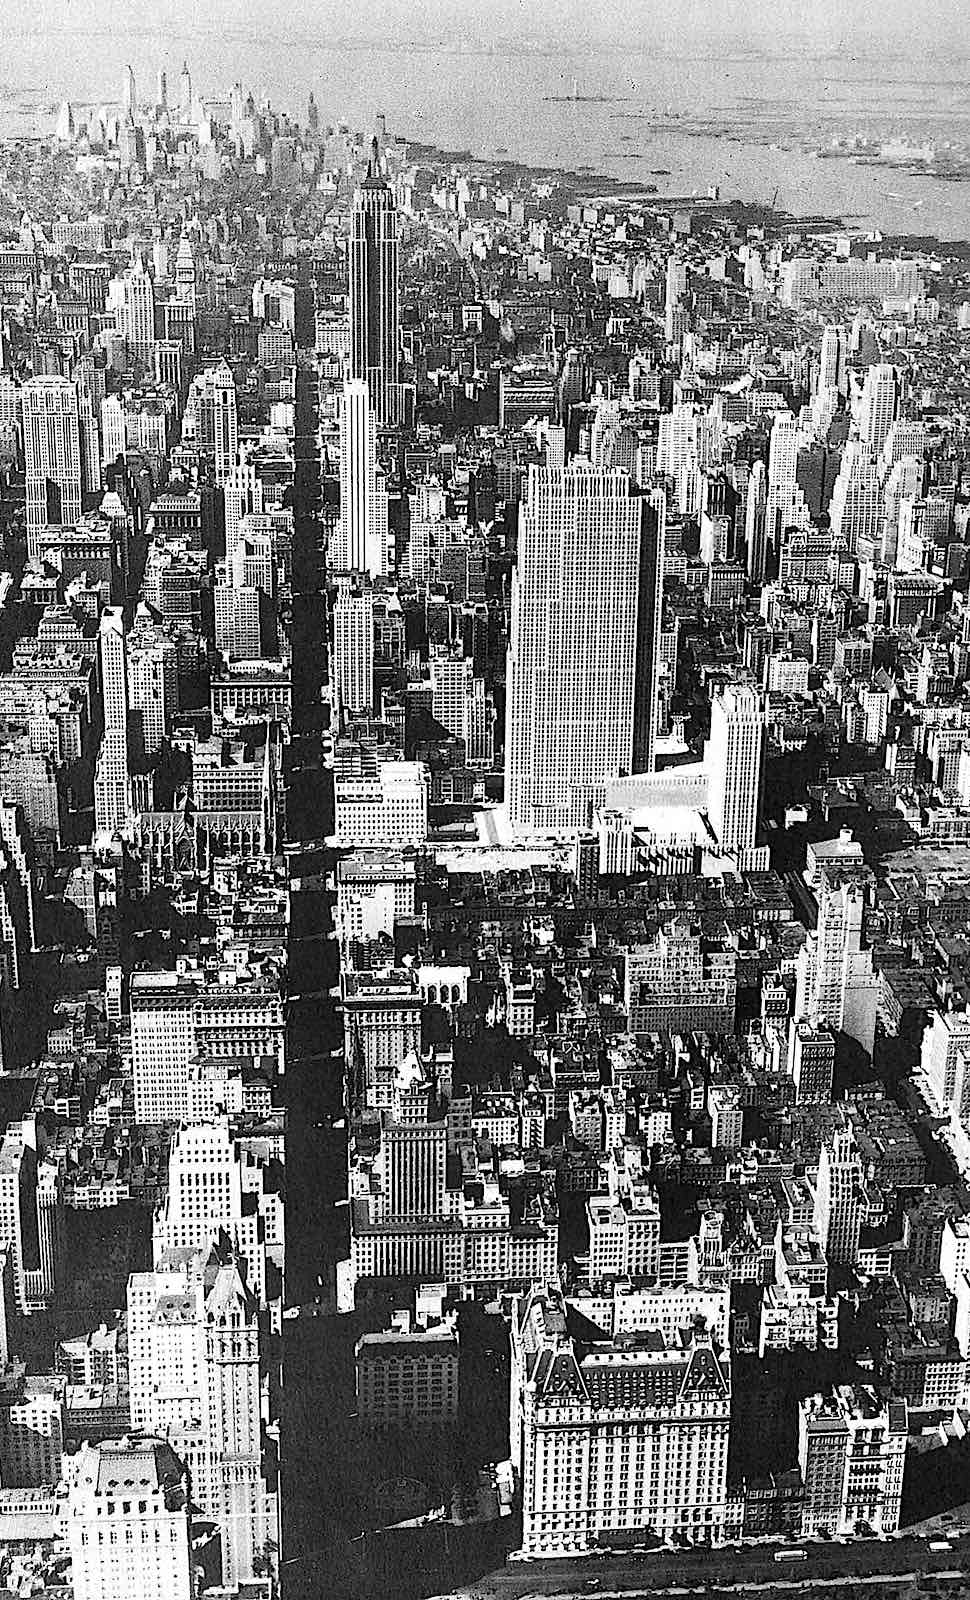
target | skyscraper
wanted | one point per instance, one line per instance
(114, 432)
(129, 101)
(111, 787)
(243, 494)
(353, 647)
(733, 759)
(838, 1209)
(879, 407)
(195, 1377)
(414, 1145)
(373, 290)
(832, 360)
(152, 660)
(52, 456)
(211, 417)
(360, 538)
(754, 523)
(584, 643)
(137, 313)
(785, 504)
(185, 284)
(185, 92)
(17, 846)
(129, 1522)
(856, 510)
(834, 978)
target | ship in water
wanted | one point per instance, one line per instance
(577, 99)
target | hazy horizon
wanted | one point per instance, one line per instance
(936, 27)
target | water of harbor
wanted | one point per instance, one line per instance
(748, 122)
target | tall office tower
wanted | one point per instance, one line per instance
(225, 422)
(153, 691)
(616, 1436)
(821, 415)
(238, 621)
(856, 508)
(161, 91)
(811, 1062)
(676, 282)
(167, 363)
(52, 456)
(195, 1377)
(16, 844)
(678, 438)
(16, 896)
(733, 759)
(451, 679)
(459, 701)
(785, 503)
(584, 652)
(185, 278)
(851, 1456)
(414, 1149)
(903, 483)
(834, 979)
(907, 440)
(374, 332)
(253, 565)
(211, 417)
(555, 446)
(129, 100)
(90, 439)
(353, 647)
(129, 1522)
(754, 523)
(137, 312)
(839, 1198)
(30, 1216)
(111, 779)
(114, 428)
(382, 1027)
(114, 687)
(879, 406)
(215, 1186)
(945, 1063)
(603, 432)
(185, 92)
(572, 387)
(243, 492)
(832, 367)
(360, 538)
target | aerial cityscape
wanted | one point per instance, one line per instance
(484, 829)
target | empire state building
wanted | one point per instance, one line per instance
(373, 290)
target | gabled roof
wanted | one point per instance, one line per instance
(703, 1379)
(563, 1380)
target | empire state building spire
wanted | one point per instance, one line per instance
(374, 327)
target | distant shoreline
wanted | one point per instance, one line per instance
(601, 188)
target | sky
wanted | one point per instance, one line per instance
(941, 26)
